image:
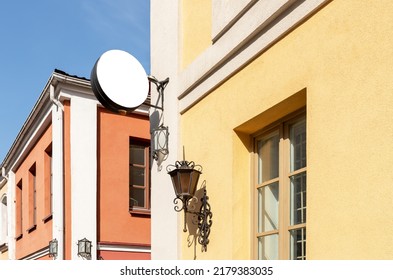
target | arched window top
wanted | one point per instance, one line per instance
(4, 199)
(3, 219)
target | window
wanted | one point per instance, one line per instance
(280, 191)
(19, 210)
(48, 184)
(32, 198)
(139, 176)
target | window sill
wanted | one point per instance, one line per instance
(32, 228)
(140, 211)
(19, 237)
(47, 218)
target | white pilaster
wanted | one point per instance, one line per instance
(164, 63)
(83, 134)
(58, 179)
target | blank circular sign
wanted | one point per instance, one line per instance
(119, 81)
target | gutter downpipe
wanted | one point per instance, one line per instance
(57, 172)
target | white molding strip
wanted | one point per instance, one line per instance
(236, 48)
(226, 13)
(40, 253)
(123, 248)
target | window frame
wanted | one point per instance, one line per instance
(146, 209)
(285, 228)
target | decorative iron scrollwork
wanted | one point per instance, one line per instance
(205, 222)
(204, 217)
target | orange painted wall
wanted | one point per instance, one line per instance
(115, 223)
(38, 238)
(112, 255)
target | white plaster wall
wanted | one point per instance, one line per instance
(164, 63)
(83, 134)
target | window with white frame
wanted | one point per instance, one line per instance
(281, 190)
(3, 220)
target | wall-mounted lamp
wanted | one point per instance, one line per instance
(160, 137)
(53, 248)
(160, 133)
(84, 248)
(185, 176)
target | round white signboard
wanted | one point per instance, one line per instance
(119, 81)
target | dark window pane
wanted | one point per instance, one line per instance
(137, 197)
(298, 145)
(298, 244)
(137, 176)
(137, 155)
(298, 198)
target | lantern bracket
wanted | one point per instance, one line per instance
(160, 86)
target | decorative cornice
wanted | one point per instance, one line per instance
(259, 28)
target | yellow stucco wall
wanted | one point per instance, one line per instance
(342, 59)
(196, 28)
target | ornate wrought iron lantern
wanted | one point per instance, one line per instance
(185, 176)
(53, 248)
(84, 248)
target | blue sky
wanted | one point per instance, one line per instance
(38, 36)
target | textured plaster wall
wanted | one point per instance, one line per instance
(342, 58)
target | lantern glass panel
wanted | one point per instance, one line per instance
(194, 181)
(185, 178)
(88, 247)
(175, 182)
(160, 139)
(81, 247)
